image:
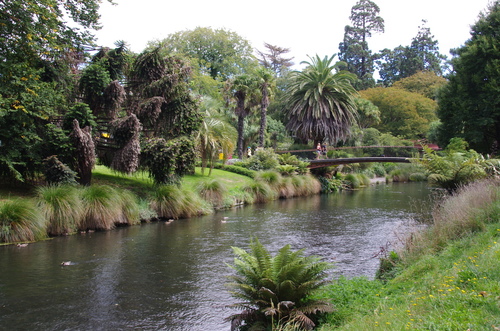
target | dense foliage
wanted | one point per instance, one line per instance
(402, 113)
(321, 103)
(469, 106)
(40, 50)
(275, 290)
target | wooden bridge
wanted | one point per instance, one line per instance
(331, 162)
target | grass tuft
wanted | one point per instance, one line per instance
(20, 221)
(62, 208)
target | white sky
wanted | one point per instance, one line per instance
(307, 27)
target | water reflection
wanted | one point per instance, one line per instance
(171, 276)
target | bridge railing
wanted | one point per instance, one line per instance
(359, 151)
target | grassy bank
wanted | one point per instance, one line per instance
(447, 277)
(33, 213)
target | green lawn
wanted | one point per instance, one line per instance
(141, 184)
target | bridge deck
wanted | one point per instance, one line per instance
(330, 162)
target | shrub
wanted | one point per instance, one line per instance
(61, 207)
(56, 172)
(20, 221)
(287, 169)
(264, 159)
(236, 169)
(379, 170)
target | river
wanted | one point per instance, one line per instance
(170, 276)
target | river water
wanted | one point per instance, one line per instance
(161, 276)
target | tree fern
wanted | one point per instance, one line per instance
(275, 290)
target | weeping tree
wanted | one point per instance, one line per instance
(126, 132)
(84, 152)
(161, 100)
(320, 103)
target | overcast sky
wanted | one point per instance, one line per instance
(305, 27)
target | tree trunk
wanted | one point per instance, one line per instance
(239, 145)
(263, 116)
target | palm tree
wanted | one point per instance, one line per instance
(215, 134)
(321, 103)
(244, 90)
(266, 84)
(275, 291)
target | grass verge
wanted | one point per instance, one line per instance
(449, 283)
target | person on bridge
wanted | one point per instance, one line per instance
(318, 151)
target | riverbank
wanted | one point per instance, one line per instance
(116, 200)
(446, 277)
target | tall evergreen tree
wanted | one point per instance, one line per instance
(354, 48)
(469, 105)
(404, 61)
(274, 59)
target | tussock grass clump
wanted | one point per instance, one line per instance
(309, 185)
(270, 177)
(194, 205)
(130, 211)
(287, 189)
(212, 191)
(20, 221)
(261, 191)
(62, 208)
(352, 180)
(169, 201)
(103, 208)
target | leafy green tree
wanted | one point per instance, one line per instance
(220, 53)
(321, 104)
(354, 48)
(275, 291)
(402, 113)
(426, 83)
(469, 105)
(368, 113)
(42, 44)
